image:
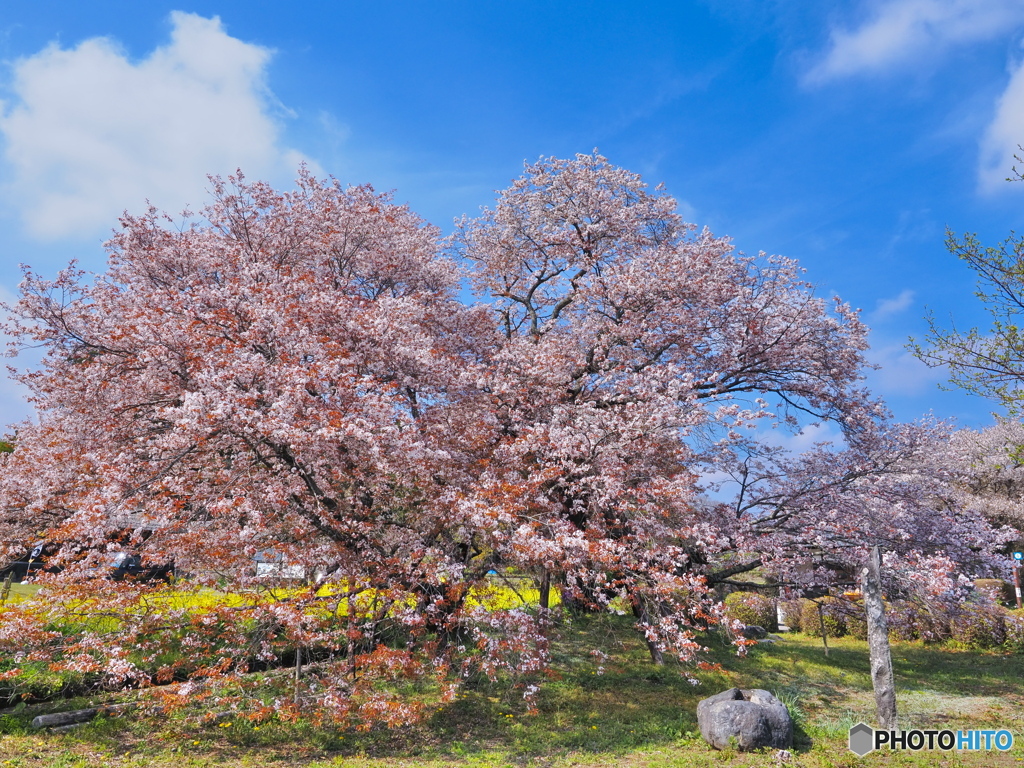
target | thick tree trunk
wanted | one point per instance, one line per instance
(644, 618)
(878, 642)
(545, 602)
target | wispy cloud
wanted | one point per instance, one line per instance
(90, 132)
(899, 372)
(898, 33)
(888, 308)
(1004, 135)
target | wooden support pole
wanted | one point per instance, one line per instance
(824, 632)
(882, 679)
(1017, 583)
(78, 716)
(298, 673)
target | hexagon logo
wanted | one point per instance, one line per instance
(862, 739)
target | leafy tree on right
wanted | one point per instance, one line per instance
(987, 363)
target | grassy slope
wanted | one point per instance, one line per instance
(631, 715)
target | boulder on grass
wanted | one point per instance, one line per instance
(745, 719)
(754, 632)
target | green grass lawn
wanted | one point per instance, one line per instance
(630, 714)
(21, 591)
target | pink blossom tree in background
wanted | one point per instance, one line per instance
(809, 519)
(639, 356)
(991, 471)
(294, 373)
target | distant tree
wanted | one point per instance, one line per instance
(810, 519)
(990, 466)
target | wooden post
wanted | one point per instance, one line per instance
(1017, 582)
(544, 611)
(64, 719)
(298, 673)
(824, 632)
(10, 575)
(878, 642)
(350, 648)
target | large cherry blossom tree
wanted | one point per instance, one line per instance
(632, 347)
(293, 373)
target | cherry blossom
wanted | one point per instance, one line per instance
(293, 375)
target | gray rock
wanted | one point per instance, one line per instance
(748, 720)
(753, 632)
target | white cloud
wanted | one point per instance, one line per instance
(887, 308)
(900, 32)
(91, 133)
(1003, 136)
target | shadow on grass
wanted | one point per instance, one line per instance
(589, 704)
(916, 666)
(610, 704)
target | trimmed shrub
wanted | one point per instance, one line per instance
(831, 613)
(979, 626)
(1014, 624)
(904, 619)
(855, 617)
(997, 591)
(752, 608)
(911, 620)
(791, 614)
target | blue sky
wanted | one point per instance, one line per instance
(848, 135)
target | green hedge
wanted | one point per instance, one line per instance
(979, 627)
(997, 590)
(792, 614)
(832, 614)
(752, 608)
